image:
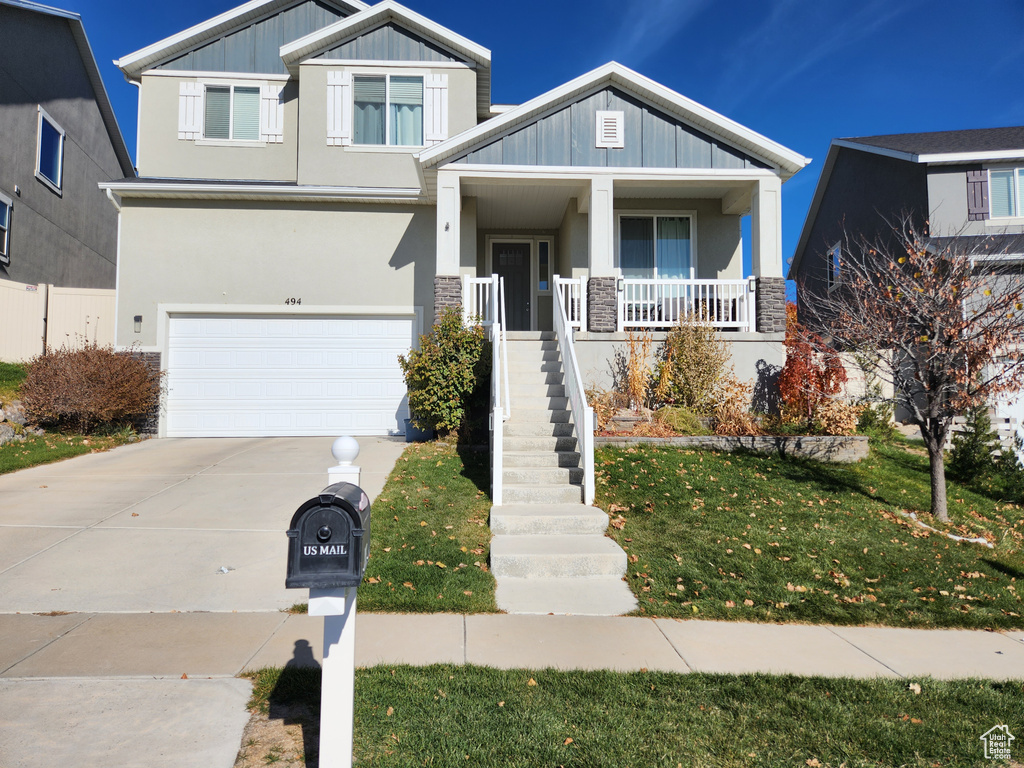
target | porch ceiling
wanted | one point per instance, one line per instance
(521, 206)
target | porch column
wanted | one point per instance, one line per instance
(602, 299)
(766, 255)
(447, 283)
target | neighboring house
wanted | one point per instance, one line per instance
(966, 184)
(60, 139)
(320, 178)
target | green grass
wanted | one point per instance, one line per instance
(762, 538)
(458, 716)
(54, 446)
(11, 377)
(429, 539)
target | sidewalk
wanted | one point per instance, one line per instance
(159, 689)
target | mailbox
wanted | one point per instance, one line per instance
(329, 539)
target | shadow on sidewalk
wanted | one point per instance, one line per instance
(295, 699)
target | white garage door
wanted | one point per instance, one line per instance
(231, 376)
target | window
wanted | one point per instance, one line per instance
(388, 110)
(543, 266)
(1004, 192)
(833, 266)
(50, 152)
(232, 112)
(6, 206)
(656, 247)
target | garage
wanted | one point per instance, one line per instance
(285, 375)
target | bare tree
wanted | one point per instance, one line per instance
(940, 319)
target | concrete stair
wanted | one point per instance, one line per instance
(549, 553)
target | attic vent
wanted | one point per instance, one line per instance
(610, 130)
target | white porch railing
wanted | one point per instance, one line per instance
(484, 303)
(663, 303)
(582, 414)
(574, 299)
(478, 300)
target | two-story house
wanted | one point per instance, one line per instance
(966, 184)
(60, 139)
(319, 178)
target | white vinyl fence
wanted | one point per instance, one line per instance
(34, 317)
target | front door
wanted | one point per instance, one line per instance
(511, 261)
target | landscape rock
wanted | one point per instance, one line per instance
(15, 413)
(6, 434)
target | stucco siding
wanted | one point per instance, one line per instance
(366, 166)
(179, 252)
(66, 239)
(567, 136)
(256, 48)
(163, 155)
(389, 42)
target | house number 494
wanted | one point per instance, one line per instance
(293, 301)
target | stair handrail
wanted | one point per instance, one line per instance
(500, 406)
(582, 414)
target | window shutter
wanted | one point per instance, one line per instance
(977, 195)
(435, 109)
(190, 111)
(610, 130)
(272, 114)
(339, 109)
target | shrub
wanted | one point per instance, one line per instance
(834, 417)
(638, 375)
(732, 408)
(444, 372)
(605, 404)
(86, 388)
(694, 359)
(975, 446)
(813, 372)
(652, 429)
(681, 420)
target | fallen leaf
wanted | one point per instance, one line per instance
(916, 721)
(532, 682)
(391, 711)
(915, 688)
(748, 602)
(501, 703)
(184, 676)
(567, 742)
(730, 604)
(467, 592)
(813, 762)
(423, 523)
(387, 549)
(372, 580)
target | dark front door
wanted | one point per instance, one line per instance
(511, 261)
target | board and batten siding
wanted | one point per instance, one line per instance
(256, 49)
(653, 139)
(389, 42)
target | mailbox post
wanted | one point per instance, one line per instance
(328, 546)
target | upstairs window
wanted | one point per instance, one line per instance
(658, 247)
(232, 112)
(5, 229)
(833, 266)
(50, 152)
(388, 110)
(1004, 192)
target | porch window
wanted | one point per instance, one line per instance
(658, 247)
(388, 110)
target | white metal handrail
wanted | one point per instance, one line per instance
(646, 303)
(501, 401)
(478, 300)
(582, 414)
(574, 299)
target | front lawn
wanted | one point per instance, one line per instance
(11, 377)
(762, 538)
(429, 540)
(459, 716)
(56, 446)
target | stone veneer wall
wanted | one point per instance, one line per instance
(771, 304)
(447, 293)
(150, 423)
(602, 307)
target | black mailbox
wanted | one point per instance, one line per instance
(329, 539)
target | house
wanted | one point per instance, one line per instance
(61, 139)
(318, 179)
(965, 184)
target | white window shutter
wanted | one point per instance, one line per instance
(435, 109)
(339, 109)
(190, 111)
(272, 113)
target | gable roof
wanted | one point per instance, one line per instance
(316, 42)
(134, 64)
(92, 72)
(615, 74)
(976, 144)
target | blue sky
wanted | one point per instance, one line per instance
(801, 72)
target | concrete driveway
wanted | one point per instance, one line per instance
(149, 527)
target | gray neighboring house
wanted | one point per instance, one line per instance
(60, 140)
(319, 178)
(967, 184)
